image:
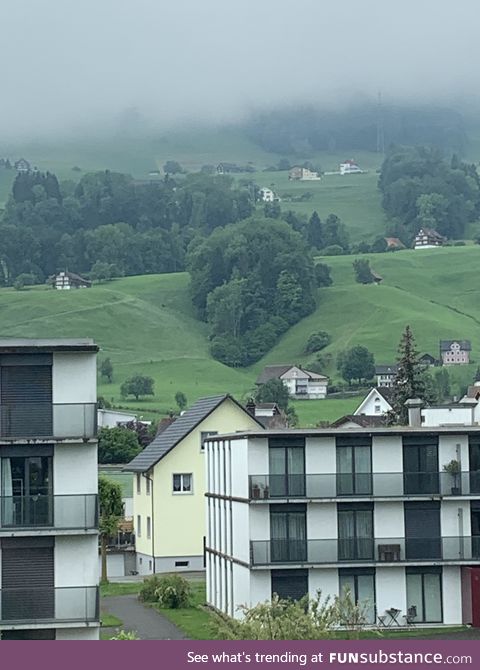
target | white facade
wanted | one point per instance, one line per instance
(267, 195)
(111, 418)
(350, 167)
(48, 477)
(400, 537)
(303, 384)
(374, 404)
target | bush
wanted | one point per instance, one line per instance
(148, 592)
(317, 341)
(173, 591)
(333, 250)
(125, 635)
(459, 243)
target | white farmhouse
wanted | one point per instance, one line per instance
(302, 384)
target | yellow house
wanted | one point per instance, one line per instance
(169, 486)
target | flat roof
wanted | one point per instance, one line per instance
(332, 432)
(22, 345)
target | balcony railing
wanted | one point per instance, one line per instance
(360, 484)
(48, 421)
(56, 512)
(365, 549)
(49, 605)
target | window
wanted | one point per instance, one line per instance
(182, 483)
(474, 460)
(149, 528)
(377, 408)
(424, 594)
(422, 530)
(139, 483)
(26, 489)
(355, 531)
(288, 533)
(182, 564)
(354, 466)
(290, 583)
(420, 464)
(287, 467)
(147, 484)
(203, 436)
(139, 525)
(360, 583)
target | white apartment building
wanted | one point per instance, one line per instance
(297, 511)
(48, 476)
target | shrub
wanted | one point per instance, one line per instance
(317, 341)
(459, 243)
(173, 591)
(148, 592)
(333, 250)
(125, 635)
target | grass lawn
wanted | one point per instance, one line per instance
(110, 620)
(196, 622)
(311, 412)
(119, 588)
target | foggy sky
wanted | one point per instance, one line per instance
(66, 64)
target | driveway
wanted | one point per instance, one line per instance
(146, 621)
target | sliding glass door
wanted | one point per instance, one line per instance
(287, 468)
(288, 533)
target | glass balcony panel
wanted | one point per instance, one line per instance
(47, 511)
(42, 604)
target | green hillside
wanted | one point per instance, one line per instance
(146, 324)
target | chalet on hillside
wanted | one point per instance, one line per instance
(303, 174)
(393, 243)
(386, 375)
(302, 384)
(428, 360)
(68, 280)
(455, 352)
(428, 238)
(22, 165)
(350, 167)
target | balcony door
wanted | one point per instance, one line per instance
(28, 579)
(288, 533)
(474, 460)
(422, 530)
(287, 468)
(26, 395)
(27, 490)
(420, 465)
(355, 532)
(354, 468)
(475, 525)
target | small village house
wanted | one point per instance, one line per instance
(22, 165)
(169, 486)
(428, 238)
(67, 280)
(303, 174)
(267, 195)
(455, 352)
(386, 375)
(350, 167)
(302, 384)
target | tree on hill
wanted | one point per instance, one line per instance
(117, 445)
(335, 233)
(409, 382)
(315, 232)
(363, 273)
(137, 385)
(181, 400)
(172, 167)
(322, 275)
(317, 341)
(106, 369)
(111, 511)
(356, 363)
(273, 391)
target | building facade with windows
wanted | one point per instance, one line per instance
(294, 512)
(48, 476)
(169, 486)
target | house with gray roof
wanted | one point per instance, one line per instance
(386, 375)
(169, 485)
(302, 384)
(455, 352)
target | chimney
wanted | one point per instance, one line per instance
(414, 406)
(250, 406)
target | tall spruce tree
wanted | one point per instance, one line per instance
(409, 382)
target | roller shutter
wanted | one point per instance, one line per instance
(26, 401)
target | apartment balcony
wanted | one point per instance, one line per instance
(364, 485)
(48, 512)
(44, 605)
(47, 421)
(364, 550)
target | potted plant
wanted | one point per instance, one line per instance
(453, 469)
(256, 491)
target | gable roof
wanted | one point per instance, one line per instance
(362, 420)
(465, 345)
(272, 372)
(383, 391)
(178, 430)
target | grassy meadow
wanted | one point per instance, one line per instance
(146, 324)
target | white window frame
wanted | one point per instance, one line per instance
(181, 492)
(139, 525)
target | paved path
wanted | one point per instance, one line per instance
(146, 621)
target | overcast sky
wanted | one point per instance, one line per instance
(69, 63)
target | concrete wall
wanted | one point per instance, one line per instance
(90, 633)
(74, 377)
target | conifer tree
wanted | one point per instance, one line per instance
(408, 382)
